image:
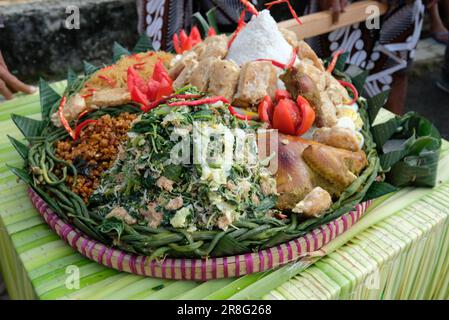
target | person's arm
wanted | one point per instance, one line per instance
(9, 84)
(335, 6)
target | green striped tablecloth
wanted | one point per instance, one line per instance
(399, 250)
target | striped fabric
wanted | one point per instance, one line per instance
(398, 250)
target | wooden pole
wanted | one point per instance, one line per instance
(322, 22)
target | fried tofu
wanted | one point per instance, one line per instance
(306, 52)
(201, 73)
(185, 60)
(215, 46)
(111, 97)
(257, 79)
(185, 75)
(224, 77)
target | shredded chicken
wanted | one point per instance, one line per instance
(153, 216)
(165, 184)
(121, 214)
(175, 204)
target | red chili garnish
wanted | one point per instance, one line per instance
(177, 44)
(211, 32)
(82, 114)
(195, 36)
(353, 89)
(274, 63)
(81, 126)
(241, 23)
(292, 11)
(109, 81)
(63, 120)
(91, 89)
(238, 115)
(334, 60)
(292, 59)
(139, 66)
(282, 65)
(198, 102)
(250, 7)
(87, 95)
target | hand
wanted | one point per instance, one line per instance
(335, 6)
(9, 84)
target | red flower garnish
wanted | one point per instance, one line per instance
(185, 42)
(288, 116)
(211, 32)
(160, 85)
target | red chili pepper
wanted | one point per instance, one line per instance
(355, 93)
(87, 95)
(250, 7)
(241, 23)
(292, 59)
(109, 81)
(208, 100)
(138, 66)
(91, 89)
(81, 126)
(334, 60)
(211, 32)
(265, 109)
(282, 65)
(274, 63)
(82, 114)
(63, 120)
(238, 115)
(292, 11)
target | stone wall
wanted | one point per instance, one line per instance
(35, 42)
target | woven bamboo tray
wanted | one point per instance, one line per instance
(199, 269)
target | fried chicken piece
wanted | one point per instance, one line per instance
(294, 177)
(298, 82)
(179, 65)
(257, 79)
(201, 74)
(302, 166)
(306, 52)
(111, 97)
(337, 137)
(224, 77)
(339, 167)
(315, 203)
(306, 66)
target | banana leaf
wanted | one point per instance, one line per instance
(143, 44)
(410, 148)
(119, 51)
